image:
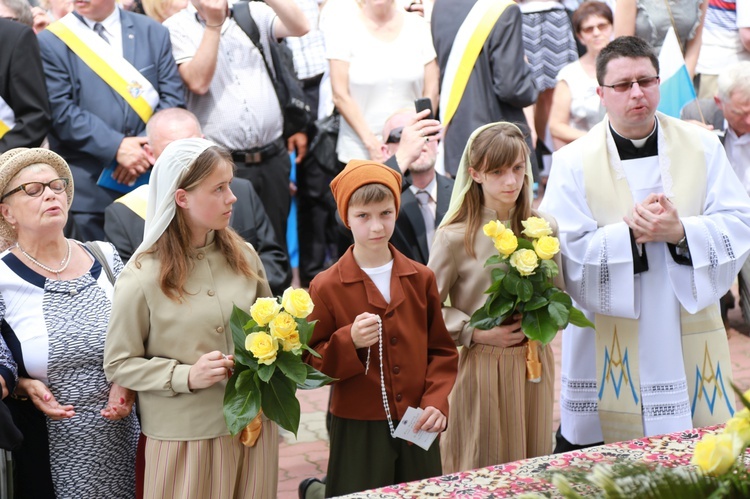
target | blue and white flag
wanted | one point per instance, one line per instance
(676, 86)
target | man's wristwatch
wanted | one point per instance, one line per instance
(682, 244)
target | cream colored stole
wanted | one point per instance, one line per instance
(704, 344)
(7, 117)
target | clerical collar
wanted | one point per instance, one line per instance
(638, 148)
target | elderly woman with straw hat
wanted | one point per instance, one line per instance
(169, 338)
(55, 296)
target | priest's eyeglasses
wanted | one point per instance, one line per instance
(35, 189)
(624, 86)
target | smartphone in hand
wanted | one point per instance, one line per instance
(424, 103)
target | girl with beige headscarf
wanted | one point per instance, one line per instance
(169, 338)
(497, 415)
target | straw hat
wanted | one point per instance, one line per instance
(15, 160)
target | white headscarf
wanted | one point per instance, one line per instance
(167, 174)
(463, 180)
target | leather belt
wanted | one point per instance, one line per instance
(259, 154)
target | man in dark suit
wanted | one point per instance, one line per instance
(425, 195)
(94, 126)
(124, 219)
(24, 108)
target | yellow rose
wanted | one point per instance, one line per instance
(525, 261)
(546, 247)
(291, 343)
(739, 426)
(536, 227)
(282, 326)
(263, 346)
(715, 454)
(297, 302)
(493, 228)
(506, 243)
(264, 310)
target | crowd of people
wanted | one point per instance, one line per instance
(145, 188)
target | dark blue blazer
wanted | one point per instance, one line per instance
(89, 119)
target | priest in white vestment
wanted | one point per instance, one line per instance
(654, 226)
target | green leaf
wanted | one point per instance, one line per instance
(236, 321)
(311, 351)
(305, 330)
(315, 379)
(251, 326)
(480, 320)
(745, 401)
(558, 313)
(280, 403)
(242, 399)
(510, 283)
(292, 366)
(265, 372)
(498, 274)
(537, 325)
(535, 302)
(493, 260)
(578, 319)
(494, 287)
(561, 297)
(501, 309)
(524, 290)
(549, 267)
(524, 244)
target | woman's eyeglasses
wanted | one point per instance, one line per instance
(590, 29)
(395, 136)
(624, 86)
(35, 189)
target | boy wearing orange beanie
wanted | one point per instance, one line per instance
(380, 331)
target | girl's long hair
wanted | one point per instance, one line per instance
(494, 148)
(174, 249)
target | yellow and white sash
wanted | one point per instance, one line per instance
(7, 118)
(467, 45)
(704, 344)
(136, 200)
(111, 67)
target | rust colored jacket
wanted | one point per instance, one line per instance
(420, 360)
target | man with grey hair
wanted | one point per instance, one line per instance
(728, 114)
(17, 10)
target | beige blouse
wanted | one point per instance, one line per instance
(152, 341)
(463, 279)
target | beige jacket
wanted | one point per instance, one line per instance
(152, 341)
(464, 279)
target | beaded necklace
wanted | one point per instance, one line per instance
(63, 264)
(383, 393)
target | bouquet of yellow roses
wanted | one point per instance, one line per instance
(268, 346)
(524, 284)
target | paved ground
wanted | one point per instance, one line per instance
(308, 454)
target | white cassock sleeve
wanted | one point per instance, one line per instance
(719, 239)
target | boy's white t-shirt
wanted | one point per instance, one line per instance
(381, 276)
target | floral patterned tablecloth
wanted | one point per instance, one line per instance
(528, 475)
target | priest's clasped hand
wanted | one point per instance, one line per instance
(655, 220)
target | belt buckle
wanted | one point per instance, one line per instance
(253, 157)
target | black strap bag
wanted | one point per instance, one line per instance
(289, 91)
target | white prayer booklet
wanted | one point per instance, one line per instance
(405, 429)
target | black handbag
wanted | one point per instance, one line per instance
(322, 148)
(289, 91)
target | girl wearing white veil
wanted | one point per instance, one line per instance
(497, 416)
(169, 337)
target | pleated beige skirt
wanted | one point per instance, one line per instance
(496, 416)
(218, 468)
